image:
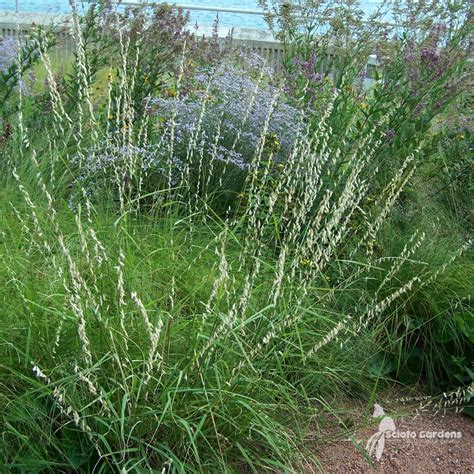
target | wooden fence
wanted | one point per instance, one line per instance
(18, 25)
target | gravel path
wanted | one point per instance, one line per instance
(422, 452)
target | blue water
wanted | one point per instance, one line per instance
(202, 18)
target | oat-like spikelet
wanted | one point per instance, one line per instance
(222, 277)
(446, 264)
(387, 200)
(83, 80)
(90, 381)
(154, 333)
(121, 294)
(59, 397)
(455, 399)
(32, 209)
(172, 128)
(61, 118)
(409, 249)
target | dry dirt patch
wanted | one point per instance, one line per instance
(404, 455)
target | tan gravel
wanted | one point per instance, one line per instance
(403, 455)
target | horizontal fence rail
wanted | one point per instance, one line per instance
(204, 8)
(18, 26)
(260, 41)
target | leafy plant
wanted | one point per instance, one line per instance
(143, 330)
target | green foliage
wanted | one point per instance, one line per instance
(430, 339)
(145, 328)
(16, 61)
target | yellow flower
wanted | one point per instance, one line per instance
(461, 136)
(349, 88)
(364, 106)
(305, 262)
(272, 142)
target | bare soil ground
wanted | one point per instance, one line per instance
(403, 455)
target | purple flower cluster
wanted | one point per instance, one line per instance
(232, 96)
(429, 57)
(236, 108)
(9, 49)
(429, 71)
(309, 68)
(8, 53)
(105, 164)
(306, 74)
(390, 134)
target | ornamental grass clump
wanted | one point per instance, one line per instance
(150, 322)
(410, 67)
